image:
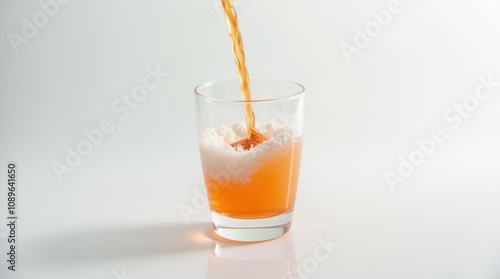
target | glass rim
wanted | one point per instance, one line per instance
(300, 91)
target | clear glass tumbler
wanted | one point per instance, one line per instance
(251, 192)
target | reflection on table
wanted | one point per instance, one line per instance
(264, 260)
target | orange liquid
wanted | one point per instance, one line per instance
(270, 190)
(254, 138)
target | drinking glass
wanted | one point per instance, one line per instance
(252, 192)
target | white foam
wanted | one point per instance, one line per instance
(221, 161)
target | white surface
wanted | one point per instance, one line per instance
(116, 215)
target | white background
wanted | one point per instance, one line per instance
(116, 215)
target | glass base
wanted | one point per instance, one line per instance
(251, 230)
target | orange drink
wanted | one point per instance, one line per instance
(264, 189)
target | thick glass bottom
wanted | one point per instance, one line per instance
(251, 230)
